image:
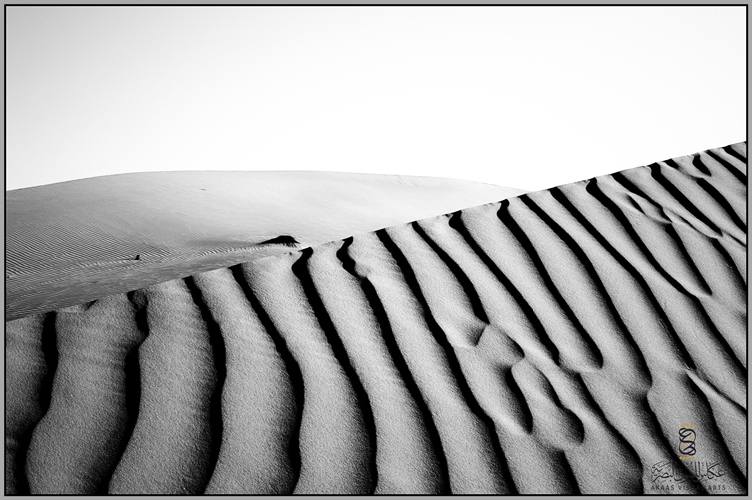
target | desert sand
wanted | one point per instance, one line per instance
(564, 341)
(78, 241)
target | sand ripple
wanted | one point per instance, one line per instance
(551, 343)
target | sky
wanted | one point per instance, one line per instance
(527, 97)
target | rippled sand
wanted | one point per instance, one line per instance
(556, 342)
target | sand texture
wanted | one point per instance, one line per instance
(77, 241)
(563, 341)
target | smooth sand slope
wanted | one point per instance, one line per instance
(557, 342)
(77, 241)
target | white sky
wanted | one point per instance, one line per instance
(529, 97)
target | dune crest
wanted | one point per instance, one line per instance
(77, 241)
(590, 338)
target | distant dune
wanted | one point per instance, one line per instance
(589, 338)
(81, 240)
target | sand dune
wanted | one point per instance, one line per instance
(556, 342)
(78, 241)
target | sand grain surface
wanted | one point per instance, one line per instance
(556, 342)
